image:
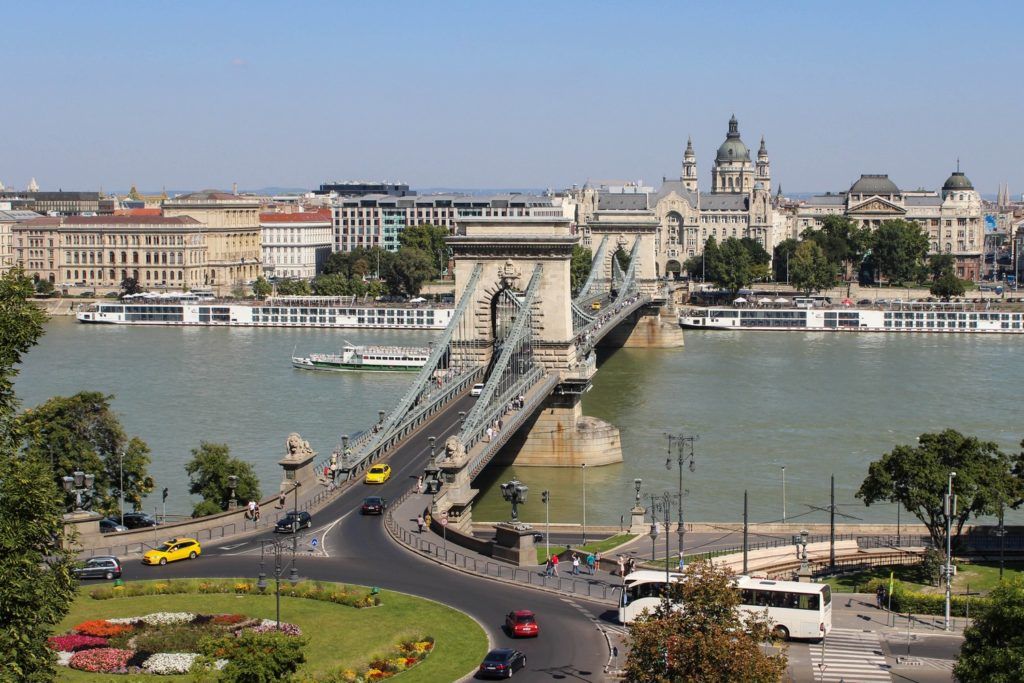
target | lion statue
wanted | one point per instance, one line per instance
(453, 448)
(296, 446)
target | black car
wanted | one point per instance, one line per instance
(101, 567)
(501, 663)
(139, 520)
(373, 505)
(109, 526)
(294, 521)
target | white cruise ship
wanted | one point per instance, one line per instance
(342, 312)
(915, 317)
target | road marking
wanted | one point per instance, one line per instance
(231, 547)
(850, 655)
(327, 530)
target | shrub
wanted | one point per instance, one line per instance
(259, 657)
(73, 642)
(905, 600)
(344, 595)
(101, 660)
(101, 628)
(173, 638)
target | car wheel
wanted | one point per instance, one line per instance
(781, 632)
(109, 576)
(163, 561)
(192, 555)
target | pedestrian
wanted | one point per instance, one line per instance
(879, 595)
(280, 500)
(554, 564)
(420, 523)
(575, 564)
(256, 511)
(549, 567)
(597, 560)
(622, 565)
(251, 511)
(591, 563)
(681, 562)
(334, 466)
(419, 484)
(490, 434)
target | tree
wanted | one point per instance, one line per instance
(255, 657)
(44, 287)
(809, 269)
(21, 325)
(409, 270)
(782, 256)
(208, 472)
(82, 432)
(947, 285)
(335, 284)
(262, 288)
(735, 270)
(709, 640)
(917, 478)
(430, 239)
(579, 267)
(993, 648)
(712, 264)
(842, 241)
(622, 256)
(941, 264)
(130, 285)
(294, 287)
(898, 249)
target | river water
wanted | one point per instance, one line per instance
(818, 403)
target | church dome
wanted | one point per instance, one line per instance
(957, 181)
(733, 148)
(874, 184)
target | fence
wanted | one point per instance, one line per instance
(482, 566)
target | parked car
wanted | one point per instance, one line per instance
(99, 567)
(373, 505)
(139, 520)
(294, 521)
(378, 474)
(476, 390)
(501, 663)
(522, 624)
(110, 526)
(172, 551)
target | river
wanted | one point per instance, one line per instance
(818, 403)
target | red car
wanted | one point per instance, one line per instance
(522, 624)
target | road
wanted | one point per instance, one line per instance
(356, 549)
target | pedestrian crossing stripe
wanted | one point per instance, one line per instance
(850, 655)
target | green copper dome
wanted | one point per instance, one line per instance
(733, 148)
(957, 181)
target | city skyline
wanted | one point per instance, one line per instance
(472, 97)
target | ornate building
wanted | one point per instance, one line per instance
(952, 217)
(739, 204)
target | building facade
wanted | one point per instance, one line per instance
(61, 203)
(377, 220)
(232, 231)
(296, 244)
(98, 252)
(8, 219)
(952, 217)
(738, 205)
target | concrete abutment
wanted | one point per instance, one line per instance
(560, 435)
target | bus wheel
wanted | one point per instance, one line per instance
(781, 632)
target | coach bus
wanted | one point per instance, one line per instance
(797, 610)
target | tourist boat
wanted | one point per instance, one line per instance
(369, 358)
(297, 311)
(901, 317)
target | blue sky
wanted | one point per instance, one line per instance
(486, 94)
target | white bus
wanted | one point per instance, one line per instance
(798, 610)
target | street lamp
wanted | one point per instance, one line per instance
(278, 549)
(120, 488)
(801, 550)
(783, 494)
(545, 497)
(637, 483)
(515, 492)
(80, 485)
(950, 510)
(232, 484)
(583, 467)
(684, 455)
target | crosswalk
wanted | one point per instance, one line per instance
(850, 655)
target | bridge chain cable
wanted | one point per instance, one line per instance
(596, 270)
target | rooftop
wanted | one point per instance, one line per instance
(113, 221)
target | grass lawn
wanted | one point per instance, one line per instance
(338, 635)
(601, 546)
(980, 576)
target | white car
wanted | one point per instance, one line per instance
(476, 390)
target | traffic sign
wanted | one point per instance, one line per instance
(444, 520)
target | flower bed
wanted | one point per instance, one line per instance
(403, 657)
(74, 642)
(312, 590)
(102, 628)
(104, 660)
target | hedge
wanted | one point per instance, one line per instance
(907, 601)
(312, 590)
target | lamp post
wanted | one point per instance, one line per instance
(801, 552)
(120, 488)
(80, 485)
(950, 510)
(684, 456)
(583, 467)
(232, 484)
(545, 497)
(278, 549)
(515, 492)
(654, 529)
(783, 494)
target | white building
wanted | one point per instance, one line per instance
(296, 244)
(8, 218)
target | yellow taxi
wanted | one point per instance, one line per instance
(596, 306)
(378, 474)
(172, 550)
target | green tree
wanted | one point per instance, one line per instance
(208, 472)
(917, 478)
(941, 264)
(408, 271)
(710, 640)
(622, 256)
(809, 269)
(993, 648)
(130, 285)
(262, 288)
(255, 657)
(294, 287)
(579, 267)
(782, 257)
(21, 325)
(735, 270)
(335, 284)
(898, 249)
(44, 287)
(947, 285)
(843, 243)
(712, 260)
(82, 432)
(430, 239)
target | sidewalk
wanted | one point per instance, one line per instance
(400, 521)
(857, 610)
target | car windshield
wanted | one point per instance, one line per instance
(165, 547)
(377, 470)
(372, 501)
(291, 515)
(525, 619)
(497, 657)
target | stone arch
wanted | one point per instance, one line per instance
(673, 268)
